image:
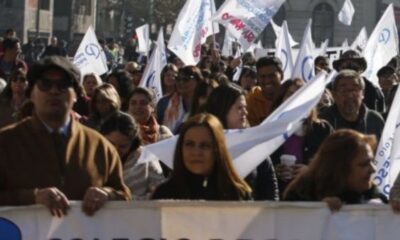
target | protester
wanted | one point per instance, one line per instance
(340, 173)
(90, 82)
(50, 158)
(247, 78)
(141, 107)
(260, 98)
(135, 70)
(12, 98)
(104, 104)
(373, 96)
(168, 79)
(172, 110)
(388, 81)
(142, 179)
(321, 63)
(302, 144)
(10, 60)
(54, 49)
(122, 82)
(228, 104)
(201, 94)
(349, 111)
(203, 168)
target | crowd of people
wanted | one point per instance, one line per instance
(66, 137)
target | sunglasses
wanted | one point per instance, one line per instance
(184, 78)
(46, 85)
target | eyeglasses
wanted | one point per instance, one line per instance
(46, 85)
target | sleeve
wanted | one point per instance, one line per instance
(266, 187)
(115, 185)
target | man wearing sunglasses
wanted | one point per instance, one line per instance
(50, 158)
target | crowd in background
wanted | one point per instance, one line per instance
(329, 158)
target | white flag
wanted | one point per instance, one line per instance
(345, 15)
(324, 47)
(90, 57)
(191, 29)
(227, 46)
(387, 158)
(304, 67)
(249, 147)
(284, 51)
(278, 31)
(382, 45)
(361, 40)
(247, 19)
(345, 44)
(152, 74)
(143, 36)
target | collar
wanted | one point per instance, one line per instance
(64, 129)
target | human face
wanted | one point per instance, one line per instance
(53, 95)
(90, 83)
(170, 79)
(121, 142)
(197, 151)
(18, 85)
(247, 82)
(140, 108)
(269, 79)
(185, 85)
(291, 90)
(348, 97)
(361, 170)
(387, 82)
(237, 115)
(103, 104)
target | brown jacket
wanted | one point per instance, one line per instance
(28, 161)
(258, 106)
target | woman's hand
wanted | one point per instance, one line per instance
(284, 172)
(298, 169)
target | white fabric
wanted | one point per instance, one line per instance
(387, 158)
(143, 36)
(284, 51)
(191, 29)
(278, 31)
(90, 56)
(345, 15)
(152, 74)
(383, 44)
(361, 40)
(304, 67)
(246, 19)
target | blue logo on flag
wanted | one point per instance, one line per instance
(384, 36)
(307, 70)
(150, 80)
(92, 50)
(9, 230)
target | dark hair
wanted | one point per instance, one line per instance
(229, 185)
(124, 124)
(328, 171)
(201, 90)
(148, 93)
(18, 72)
(168, 67)
(124, 80)
(385, 71)
(221, 100)
(191, 72)
(270, 61)
(10, 43)
(247, 71)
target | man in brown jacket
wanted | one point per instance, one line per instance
(50, 158)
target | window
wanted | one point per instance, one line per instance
(6, 3)
(323, 19)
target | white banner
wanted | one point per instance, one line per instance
(191, 29)
(304, 67)
(387, 158)
(197, 220)
(90, 57)
(278, 31)
(361, 40)
(246, 19)
(152, 74)
(143, 36)
(383, 44)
